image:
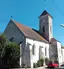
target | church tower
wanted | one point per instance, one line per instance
(45, 25)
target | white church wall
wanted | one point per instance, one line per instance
(62, 55)
(59, 53)
(35, 57)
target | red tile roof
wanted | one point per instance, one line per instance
(28, 32)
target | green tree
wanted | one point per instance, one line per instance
(12, 51)
(3, 43)
(12, 54)
(9, 51)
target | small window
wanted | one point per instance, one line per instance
(50, 28)
(62, 52)
(33, 49)
(11, 39)
(43, 29)
(45, 51)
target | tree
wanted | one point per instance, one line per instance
(2, 44)
(12, 54)
(12, 50)
(9, 51)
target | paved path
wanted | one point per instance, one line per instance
(31, 68)
(38, 68)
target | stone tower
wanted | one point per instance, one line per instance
(45, 25)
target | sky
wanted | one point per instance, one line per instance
(28, 11)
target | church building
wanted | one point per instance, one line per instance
(35, 44)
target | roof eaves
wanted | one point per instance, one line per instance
(36, 39)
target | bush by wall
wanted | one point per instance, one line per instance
(40, 62)
(46, 61)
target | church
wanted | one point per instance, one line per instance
(33, 43)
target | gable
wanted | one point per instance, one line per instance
(12, 32)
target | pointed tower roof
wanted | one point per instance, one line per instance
(45, 13)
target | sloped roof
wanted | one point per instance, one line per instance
(54, 40)
(28, 32)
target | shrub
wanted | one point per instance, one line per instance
(46, 60)
(34, 65)
(40, 62)
(56, 61)
(53, 60)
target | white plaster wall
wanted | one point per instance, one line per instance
(34, 58)
(62, 55)
(59, 53)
